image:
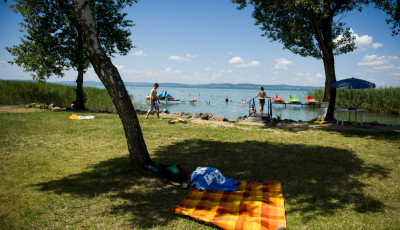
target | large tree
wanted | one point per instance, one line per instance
(111, 79)
(53, 43)
(108, 74)
(308, 28)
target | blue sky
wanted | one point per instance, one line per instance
(186, 41)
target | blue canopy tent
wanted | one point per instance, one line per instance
(352, 83)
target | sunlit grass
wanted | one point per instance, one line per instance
(58, 173)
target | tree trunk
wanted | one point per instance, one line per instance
(80, 96)
(111, 79)
(79, 102)
(324, 38)
(329, 92)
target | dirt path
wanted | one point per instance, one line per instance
(302, 126)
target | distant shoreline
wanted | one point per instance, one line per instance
(282, 87)
(208, 86)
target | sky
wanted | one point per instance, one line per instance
(209, 41)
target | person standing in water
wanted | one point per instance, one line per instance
(153, 101)
(263, 96)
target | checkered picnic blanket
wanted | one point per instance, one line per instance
(252, 206)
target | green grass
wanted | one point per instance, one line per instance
(58, 173)
(379, 100)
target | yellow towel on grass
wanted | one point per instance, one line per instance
(74, 117)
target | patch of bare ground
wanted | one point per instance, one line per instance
(213, 123)
(306, 126)
(16, 109)
(302, 126)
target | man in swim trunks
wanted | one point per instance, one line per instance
(263, 96)
(154, 101)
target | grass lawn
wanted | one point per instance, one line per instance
(57, 173)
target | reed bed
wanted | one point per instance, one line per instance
(380, 100)
(22, 92)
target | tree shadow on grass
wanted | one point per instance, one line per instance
(136, 194)
(377, 133)
(390, 136)
(316, 180)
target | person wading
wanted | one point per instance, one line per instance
(263, 96)
(154, 102)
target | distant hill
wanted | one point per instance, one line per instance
(209, 86)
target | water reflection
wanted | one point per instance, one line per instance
(295, 112)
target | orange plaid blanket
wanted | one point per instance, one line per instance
(252, 206)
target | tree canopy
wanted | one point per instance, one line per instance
(299, 25)
(50, 44)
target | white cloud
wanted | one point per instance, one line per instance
(141, 73)
(240, 63)
(236, 60)
(149, 73)
(282, 63)
(363, 42)
(374, 60)
(188, 57)
(253, 63)
(310, 78)
(377, 45)
(226, 71)
(382, 63)
(320, 75)
(176, 58)
(169, 70)
(140, 53)
(119, 67)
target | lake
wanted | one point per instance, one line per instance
(234, 108)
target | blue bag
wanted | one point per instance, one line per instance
(212, 179)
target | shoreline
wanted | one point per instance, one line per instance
(209, 118)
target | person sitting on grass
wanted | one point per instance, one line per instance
(154, 101)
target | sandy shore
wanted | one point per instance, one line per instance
(287, 125)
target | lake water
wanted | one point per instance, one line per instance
(234, 109)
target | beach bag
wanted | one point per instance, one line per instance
(207, 178)
(174, 173)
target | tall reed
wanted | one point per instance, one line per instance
(380, 100)
(19, 92)
(22, 92)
